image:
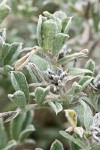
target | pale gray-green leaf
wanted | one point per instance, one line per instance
(19, 82)
(78, 71)
(26, 132)
(88, 115)
(10, 145)
(71, 138)
(18, 98)
(56, 145)
(57, 107)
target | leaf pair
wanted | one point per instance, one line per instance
(21, 96)
(40, 94)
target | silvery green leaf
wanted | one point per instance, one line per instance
(90, 65)
(68, 25)
(80, 113)
(14, 51)
(3, 135)
(85, 81)
(4, 50)
(78, 71)
(29, 118)
(55, 18)
(64, 23)
(19, 82)
(59, 41)
(41, 63)
(39, 95)
(31, 73)
(49, 31)
(10, 145)
(71, 57)
(26, 132)
(73, 139)
(88, 115)
(56, 145)
(76, 88)
(39, 33)
(57, 107)
(19, 99)
(16, 125)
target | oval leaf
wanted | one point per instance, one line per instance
(56, 145)
(19, 82)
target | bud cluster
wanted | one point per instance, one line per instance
(58, 78)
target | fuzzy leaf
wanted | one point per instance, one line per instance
(68, 25)
(3, 136)
(71, 57)
(19, 82)
(39, 26)
(4, 49)
(56, 145)
(49, 31)
(31, 73)
(10, 145)
(64, 23)
(78, 71)
(76, 88)
(57, 107)
(40, 94)
(88, 115)
(55, 18)
(71, 138)
(90, 65)
(13, 53)
(41, 63)
(26, 132)
(28, 119)
(59, 41)
(85, 81)
(16, 125)
(19, 99)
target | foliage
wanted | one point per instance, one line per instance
(50, 74)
